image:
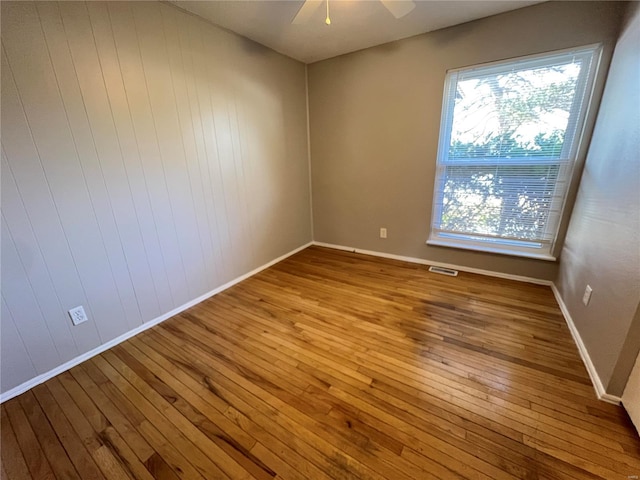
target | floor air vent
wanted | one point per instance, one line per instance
(444, 271)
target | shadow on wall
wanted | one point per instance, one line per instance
(628, 354)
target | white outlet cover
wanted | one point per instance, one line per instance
(383, 233)
(78, 315)
(587, 295)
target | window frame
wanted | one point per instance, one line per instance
(567, 160)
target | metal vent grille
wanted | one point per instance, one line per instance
(444, 271)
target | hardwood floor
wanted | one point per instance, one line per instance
(332, 365)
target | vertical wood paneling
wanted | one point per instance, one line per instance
(40, 208)
(227, 126)
(202, 179)
(214, 184)
(22, 304)
(216, 129)
(135, 171)
(170, 136)
(144, 220)
(47, 119)
(87, 110)
(128, 50)
(32, 260)
(17, 363)
(187, 130)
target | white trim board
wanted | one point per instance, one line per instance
(584, 353)
(29, 384)
(595, 379)
(421, 261)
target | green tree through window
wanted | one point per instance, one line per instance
(507, 144)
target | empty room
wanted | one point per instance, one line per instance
(324, 240)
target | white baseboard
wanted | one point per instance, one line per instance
(29, 384)
(421, 261)
(584, 354)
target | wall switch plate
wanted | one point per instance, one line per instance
(383, 233)
(78, 315)
(587, 295)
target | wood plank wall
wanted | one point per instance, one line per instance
(148, 157)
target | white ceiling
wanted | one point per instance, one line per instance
(355, 24)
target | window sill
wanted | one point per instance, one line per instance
(502, 251)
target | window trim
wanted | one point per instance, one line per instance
(567, 159)
(513, 252)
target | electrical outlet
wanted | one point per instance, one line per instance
(383, 233)
(78, 315)
(587, 295)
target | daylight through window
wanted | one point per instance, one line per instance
(508, 141)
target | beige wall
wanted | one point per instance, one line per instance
(375, 117)
(631, 395)
(148, 157)
(602, 247)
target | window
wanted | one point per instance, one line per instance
(509, 137)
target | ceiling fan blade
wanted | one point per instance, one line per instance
(399, 8)
(307, 9)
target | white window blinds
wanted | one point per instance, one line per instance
(508, 140)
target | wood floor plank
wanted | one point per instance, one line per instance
(35, 458)
(458, 374)
(332, 365)
(192, 410)
(158, 412)
(105, 413)
(288, 416)
(267, 432)
(13, 462)
(241, 404)
(109, 450)
(315, 425)
(71, 443)
(104, 445)
(107, 396)
(598, 439)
